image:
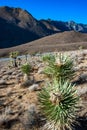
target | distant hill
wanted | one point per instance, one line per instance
(65, 41)
(18, 27)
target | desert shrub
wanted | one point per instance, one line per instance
(59, 67)
(81, 47)
(26, 68)
(48, 58)
(58, 102)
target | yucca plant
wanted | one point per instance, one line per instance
(26, 68)
(13, 56)
(58, 102)
(60, 67)
(48, 58)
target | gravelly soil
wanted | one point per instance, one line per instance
(15, 101)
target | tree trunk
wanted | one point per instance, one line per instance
(26, 77)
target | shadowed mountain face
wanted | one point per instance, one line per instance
(12, 35)
(18, 26)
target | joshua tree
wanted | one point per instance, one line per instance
(14, 55)
(59, 67)
(58, 102)
(26, 57)
(19, 61)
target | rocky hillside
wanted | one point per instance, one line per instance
(65, 41)
(18, 26)
(65, 26)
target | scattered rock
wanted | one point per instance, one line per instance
(9, 72)
(82, 89)
(40, 71)
(1, 102)
(26, 84)
(5, 77)
(20, 97)
(76, 68)
(19, 75)
(11, 77)
(14, 73)
(35, 68)
(3, 70)
(17, 80)
(33, 87)
(83, 77)
(2, 82)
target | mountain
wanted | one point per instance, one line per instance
(18, 27)
(66, 26)
(65, 41)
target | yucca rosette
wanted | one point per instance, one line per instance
(58, 102)
(60, 68)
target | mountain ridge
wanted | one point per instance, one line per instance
(18, 27)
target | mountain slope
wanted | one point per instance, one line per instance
(65, 41)
(66, 26)
(18, 26)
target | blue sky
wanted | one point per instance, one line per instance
(64, 10)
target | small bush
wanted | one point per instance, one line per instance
(48, 58)
(81, 47)
(26, 68)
